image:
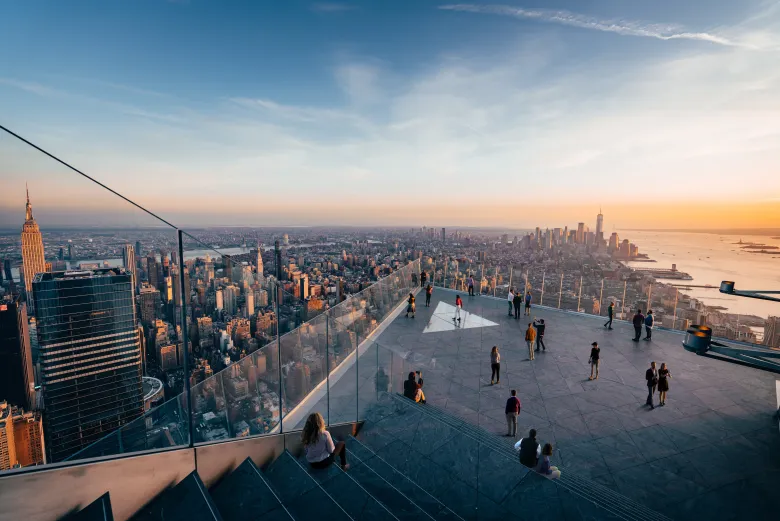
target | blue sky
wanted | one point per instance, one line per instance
(360, 112)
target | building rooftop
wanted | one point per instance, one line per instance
(713, 449)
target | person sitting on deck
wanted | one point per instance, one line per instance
(413, 387)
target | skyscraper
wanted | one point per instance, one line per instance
(599, 226)
(91, 374)
(580, 233)
(17, 383)
(21, 437)
(443, 235)
(259, 263)
(128, 259)
(33, 261)
(148, 303)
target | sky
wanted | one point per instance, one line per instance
(409, 112)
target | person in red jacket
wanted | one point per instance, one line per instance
(458, 307)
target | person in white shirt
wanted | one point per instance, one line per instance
(509, 299)
(319, 446)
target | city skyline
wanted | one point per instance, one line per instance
(476, 104)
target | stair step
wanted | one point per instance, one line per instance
(421, 499)
(617, 504)
(349, 492)
(245, 494)
(98, 510)
(187, 501)
(303, 497)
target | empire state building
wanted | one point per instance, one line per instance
(32, 249)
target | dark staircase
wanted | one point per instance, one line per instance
(408, 462)
(98, 510)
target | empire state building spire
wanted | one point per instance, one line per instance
(33, 261)
(28, 214)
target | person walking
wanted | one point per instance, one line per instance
(593, 360)
(470, 283)
(663, 383)
(539, 325)
(651, 375)
(517, 301)
(413, 387)
(423, 278)
(412, 307)
(458, 307)
(530, 336)
(428, 293)
(319, 446)
(528, 303)
(610, 312)
(495, 365)
(649, 321)
(510, 299)
(638, 321)
(544, 468)
(512, 411)
(529, 450)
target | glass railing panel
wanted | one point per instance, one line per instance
(296, 377)
(210, 411)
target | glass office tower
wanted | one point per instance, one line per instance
(90, 356)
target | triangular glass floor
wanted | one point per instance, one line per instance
(442, 319)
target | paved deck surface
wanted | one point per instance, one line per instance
(713, 452)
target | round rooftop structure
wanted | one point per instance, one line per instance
(153, 391)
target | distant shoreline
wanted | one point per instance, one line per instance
(774, 233)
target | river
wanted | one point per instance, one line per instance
(711, 258)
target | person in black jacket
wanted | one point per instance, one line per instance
(517, 301)
(638, 321)
(539, 325)
(610, 312)
(529, 450)
(593, 360)
(651, 375)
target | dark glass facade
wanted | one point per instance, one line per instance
(90, 356)
(17, 384)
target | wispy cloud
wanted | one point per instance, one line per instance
(618, 26)
(328, 7)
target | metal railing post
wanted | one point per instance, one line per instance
(187, 385)
(541, 298)
(601, 295)
(279, 357)
(623, 304)
(560, 292)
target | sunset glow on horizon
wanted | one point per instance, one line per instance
(463, 115)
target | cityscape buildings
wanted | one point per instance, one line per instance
(21, 437)
(90, 356)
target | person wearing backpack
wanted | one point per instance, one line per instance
(649, 321)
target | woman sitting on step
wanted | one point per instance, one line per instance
(544, 468)
(319, 446)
